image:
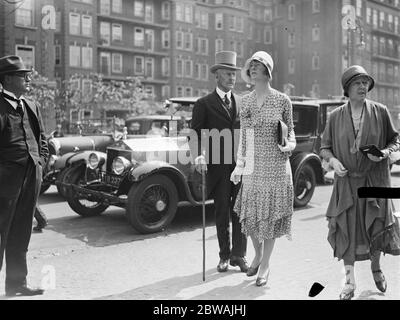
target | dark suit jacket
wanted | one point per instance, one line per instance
(209, 113)
(37, 126)
(7, 162)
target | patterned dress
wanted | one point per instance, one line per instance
(265, 200)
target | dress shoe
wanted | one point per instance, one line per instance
(23, 291)
(347, 292)
(262, 281)
(381, 284)
(222, 265)
(239, 262)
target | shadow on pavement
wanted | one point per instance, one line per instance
(112, 227)
(193, 288)
(368, 295)
(50, 197)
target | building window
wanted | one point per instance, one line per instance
(179, 67)
(239, 24)
(138, 8)
(179, 40)
(375, 45)
(116, 32)
(149, 39)
(315, 33)
(179, 11)
(149, 12)
(390, 22)
(139, 37)
(196, 72)
(149, 90)
(204, 72)
(166, 10)
(202, 46)
(382, 46)
(291, 66)
(27, 53)
(74, 23)
(87, 25)
(267, 35)
(87, 57)
(188, 13)
(219, 45)
(188, 41)
(396, 25)
(166, 91)
(105, 65)
(268, 15)
(57, 54)
(165, 35)
(359, 8)
(149, 68)
(188, 68)
(24, 13)
(315, 6)
(315, 61)
(375, 18)
(369, 15)
(188, 91)
(105, 33)
(116, 6)
(86, 87)
(315, 90)
(231, 23)
(219, 21)
(204, 20)
(117, 62)
(139, 65)
(179, 91)
(291, 40)
(381, 19)
(292, 11)
(165, 67)
(105, 7)
(74, 56)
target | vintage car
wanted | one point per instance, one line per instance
(144, 177)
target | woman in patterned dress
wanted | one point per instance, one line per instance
(265, 200)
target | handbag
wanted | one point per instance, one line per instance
(282, 132)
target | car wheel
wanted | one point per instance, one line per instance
(83, 207)
(63, 176)
(152, 204)
(304, 185)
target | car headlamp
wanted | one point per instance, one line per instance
(93, 161)
(119, 165)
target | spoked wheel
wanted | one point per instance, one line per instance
(152, 204)
(81, 206)
(304, 185)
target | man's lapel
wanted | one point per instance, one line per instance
(217, 103)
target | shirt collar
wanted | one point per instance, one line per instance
(222, 94)
(13, 103)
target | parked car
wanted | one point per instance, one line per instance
(143, 176)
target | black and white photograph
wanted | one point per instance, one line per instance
(199, 154)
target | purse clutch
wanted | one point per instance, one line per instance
(372, 149)
(282, 132)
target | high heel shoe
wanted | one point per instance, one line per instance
(252, 271)
(380, 284)
(262, 281)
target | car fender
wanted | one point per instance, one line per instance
(160, 167)
(300, 159)
(76, 158)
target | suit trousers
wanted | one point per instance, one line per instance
(224, 193)
(16, 216)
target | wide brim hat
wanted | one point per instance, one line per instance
(225, 60)
(12, 64)
(352, 73)
(262, 57)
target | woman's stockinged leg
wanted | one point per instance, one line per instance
(264, 266)
(258, 250)
(350, 282)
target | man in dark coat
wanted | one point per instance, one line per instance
(23, 153)
(218, 112)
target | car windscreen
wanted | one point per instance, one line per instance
(305, 120)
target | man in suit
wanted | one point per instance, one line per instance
(23, 153)
(219, 111)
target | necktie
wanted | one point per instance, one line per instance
(227, 102)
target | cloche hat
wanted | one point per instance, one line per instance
(352, 73)
(261, 56)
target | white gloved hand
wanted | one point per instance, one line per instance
(200, 164)
(337, 167)
(236, 174)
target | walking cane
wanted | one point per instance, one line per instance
(203, 191)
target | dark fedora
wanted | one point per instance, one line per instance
(12, 64)
(225, 60)
(352, 73)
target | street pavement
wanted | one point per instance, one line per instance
(104, 258)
